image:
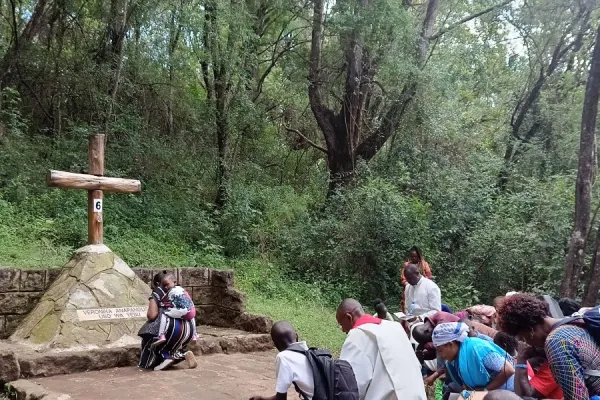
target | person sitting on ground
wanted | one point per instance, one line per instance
(291, 368)
(380, 354)
(175, 303)
(507, 343)
(178, 334)
(568, 306)
(533, 377)
(570, 348)
(472, 362)
(421, 292)
(382, 311)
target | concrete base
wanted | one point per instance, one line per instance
(94, 278)
(21, 362)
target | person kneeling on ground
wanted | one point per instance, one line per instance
(570, 348)
(291, 368)
(507, 343)
(533, 377)
(472, 362)
(382, 311)
(179, 333)
(384, 363)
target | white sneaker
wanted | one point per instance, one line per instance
(164, 365)
(191, 359)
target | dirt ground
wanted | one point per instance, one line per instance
(217, 377)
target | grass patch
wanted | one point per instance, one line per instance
(27, 242)
(310, 310)
(314, 323)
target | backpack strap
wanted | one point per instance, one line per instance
(296, 348)
(566, 321)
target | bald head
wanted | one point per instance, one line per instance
(501, 395)
(348, 312)
(349, 306)
(283, 334)
(412, 274)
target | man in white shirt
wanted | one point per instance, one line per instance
(290, 367)
(383, 360)
(422, 291)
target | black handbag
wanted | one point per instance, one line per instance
(150, 328)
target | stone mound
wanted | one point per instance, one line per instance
(93, 278)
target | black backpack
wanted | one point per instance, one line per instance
(591, 319)
(334, 379)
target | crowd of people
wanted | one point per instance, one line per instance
(520, 347)
(515, 348)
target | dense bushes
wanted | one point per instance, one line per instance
(479, 243)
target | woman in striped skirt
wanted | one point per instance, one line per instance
(179, 332)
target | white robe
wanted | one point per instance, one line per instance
(384, 362)
(426, 294)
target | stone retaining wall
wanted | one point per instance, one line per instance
(217, 302)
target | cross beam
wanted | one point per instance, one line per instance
(94, 183)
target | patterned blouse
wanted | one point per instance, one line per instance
(571, 350)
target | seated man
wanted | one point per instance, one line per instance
(291, 368)
(421, 292)
(380, 354)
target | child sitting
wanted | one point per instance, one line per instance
(176, 303)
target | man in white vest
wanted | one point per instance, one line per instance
(380, 354)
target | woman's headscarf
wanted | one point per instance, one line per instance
(449, 332)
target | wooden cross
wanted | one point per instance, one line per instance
(94, 183)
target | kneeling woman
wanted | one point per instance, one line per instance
(472, 362)
(178, 334)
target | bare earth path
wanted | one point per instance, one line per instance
(218, 377)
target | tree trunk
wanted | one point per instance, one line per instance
(33, 29)
(585, 175)
(592, 286)
(117, 64)
(521, 132)
(222, 117)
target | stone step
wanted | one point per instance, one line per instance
(18, 362)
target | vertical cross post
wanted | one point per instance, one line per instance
(96, 167)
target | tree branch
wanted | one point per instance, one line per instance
(469, 18)
(313, 144)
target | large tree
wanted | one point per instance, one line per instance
(365, 113)
(583, 191)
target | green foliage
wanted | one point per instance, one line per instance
(359, 241)
(296, 252)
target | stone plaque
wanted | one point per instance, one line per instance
(94, 314)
